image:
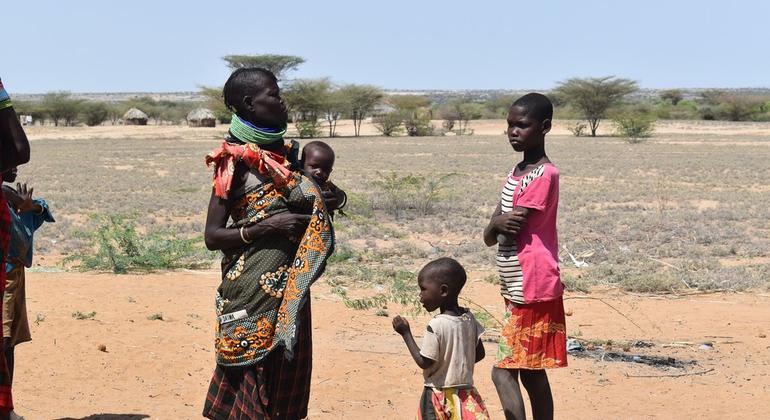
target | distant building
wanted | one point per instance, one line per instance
(134, 117)
(201, 117)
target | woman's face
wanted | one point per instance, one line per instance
(266, 108)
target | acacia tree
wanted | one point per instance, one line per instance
(61, 106)
(334, 105)
(307, 100)
(360, 102)
(594, 96)
(95, 113)
(673, 95)
(416, 113)
(276, 63)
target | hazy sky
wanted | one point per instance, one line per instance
(174, 45)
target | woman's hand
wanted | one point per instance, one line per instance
(286, 223)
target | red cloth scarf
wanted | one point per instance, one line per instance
(223, 159)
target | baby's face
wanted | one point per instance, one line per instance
(318, 164)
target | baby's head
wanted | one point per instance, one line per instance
(317, 161)
(529, 120)
(440, 282)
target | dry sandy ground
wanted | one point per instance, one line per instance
(160, 368)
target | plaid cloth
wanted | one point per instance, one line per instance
(275, 388)
(6, 401)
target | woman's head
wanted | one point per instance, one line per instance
(253, 94)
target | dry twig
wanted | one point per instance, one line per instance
(612, 307)
(671, 375)
(464, 299)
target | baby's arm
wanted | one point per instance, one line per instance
(401, 326)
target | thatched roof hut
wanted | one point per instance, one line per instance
(134, 117)
(201, 117)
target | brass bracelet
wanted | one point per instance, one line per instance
(243, 238)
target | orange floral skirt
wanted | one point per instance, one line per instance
(534, 336)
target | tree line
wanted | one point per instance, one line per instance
(61, 108)
(317, 105)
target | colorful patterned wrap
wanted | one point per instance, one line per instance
(534, 336)
(452, 404)
(265, 283)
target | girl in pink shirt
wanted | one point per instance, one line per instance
(524, 228)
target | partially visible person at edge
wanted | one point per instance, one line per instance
(27, 215)
(275, 247)
(14, 151)
(524, 227)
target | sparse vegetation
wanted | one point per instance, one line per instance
(82, 315)
(118, 247)
(670, 214)
(634, 127)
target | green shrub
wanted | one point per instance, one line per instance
(95, 113)
(82, 315)
(634, 126)
(389, 124)
(118, 247)
(308, 129)
(418, 124)
(397, 194)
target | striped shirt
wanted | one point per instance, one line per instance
(511, 279)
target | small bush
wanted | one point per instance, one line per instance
(577, 129)
(634, 127)
(419, 125)
(81, 315)
(411, 192)
(388, 124)
(156, 317)
(118, 247)
(308, 129)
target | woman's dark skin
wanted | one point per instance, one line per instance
(264, 109)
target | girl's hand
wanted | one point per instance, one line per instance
(401, 325)
(508, 223)
(25, 198)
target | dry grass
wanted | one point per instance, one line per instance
(686, 209)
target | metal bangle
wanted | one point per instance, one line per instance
(243, 238)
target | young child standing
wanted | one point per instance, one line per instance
(524, 227)
(451, 346)
(27, 215)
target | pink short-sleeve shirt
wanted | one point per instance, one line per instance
(529, 270)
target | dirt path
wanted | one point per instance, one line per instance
(160, 368)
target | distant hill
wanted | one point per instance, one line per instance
(121, 96)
